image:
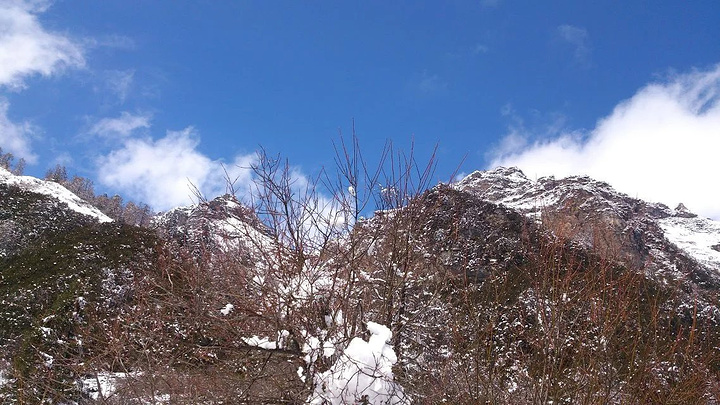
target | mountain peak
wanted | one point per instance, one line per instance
(220, 224)
(592, 210)
(500, 172)
(682, 211)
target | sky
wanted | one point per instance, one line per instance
(144, 97)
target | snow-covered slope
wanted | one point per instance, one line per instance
(223, 223)
(53, 190)
(699, 237)
(585, 208)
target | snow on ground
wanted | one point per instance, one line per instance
(104, 385)
(54, 190)
(362, 374)
(696, 236)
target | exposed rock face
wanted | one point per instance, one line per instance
(527, 250)
(186, 224)
(644, 235)
(222, 225)
(682, 211)
(465, 232)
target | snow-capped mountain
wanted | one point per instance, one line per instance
(596, 215)
(222, 225)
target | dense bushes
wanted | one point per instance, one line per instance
(484, 304)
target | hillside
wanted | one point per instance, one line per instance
(495, 289)
(65, 270)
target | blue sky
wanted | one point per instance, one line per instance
(142, 96)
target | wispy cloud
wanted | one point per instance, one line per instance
(15, 138)
(27, 48)
(430, 83)
(480, 49)
(467, 52)
(120, 127)
(111, 41)
(661, 145)
(577, 37)
(161, 172)
(119, 82)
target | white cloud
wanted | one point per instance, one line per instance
(161, 172)
(61, 158)
(122, 126)
(27, 49)
(578, 38)
(15, 138)
(119, 82)
(663, 145)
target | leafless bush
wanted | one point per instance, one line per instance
(567, 325)
(528, 317)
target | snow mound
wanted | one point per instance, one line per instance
(53, 190)
(362, 374)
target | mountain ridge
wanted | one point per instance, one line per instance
(543, 196)
(469, 277)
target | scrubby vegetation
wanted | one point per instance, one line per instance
(56, 268)
(260, 304)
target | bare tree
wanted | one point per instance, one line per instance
(57, 174)
(7, 161)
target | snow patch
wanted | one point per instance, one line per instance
(228, 308)
(4, 379)
(104, 385)
(49, 360)
(53, 190)
(362, 374)
(261, 342)
(266, 343)
(696, 236)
